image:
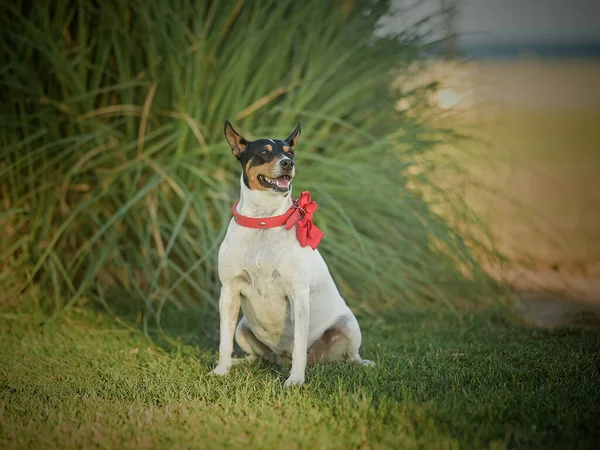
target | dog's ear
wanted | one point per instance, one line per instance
(292, 139)
(237, 143)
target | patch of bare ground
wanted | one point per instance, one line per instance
(547, 309)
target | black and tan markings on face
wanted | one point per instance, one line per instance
(261, 160)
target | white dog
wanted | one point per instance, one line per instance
(269, 265)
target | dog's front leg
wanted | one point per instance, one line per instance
(301, 312)
(229, 308)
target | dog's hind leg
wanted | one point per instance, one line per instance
(250, 344)
(339, 343)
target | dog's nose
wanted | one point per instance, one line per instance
(286, 163)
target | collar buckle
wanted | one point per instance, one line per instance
(298, 207)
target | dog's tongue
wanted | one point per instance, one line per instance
(283, 181)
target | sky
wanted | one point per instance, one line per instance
(529, 20)
(510, 21)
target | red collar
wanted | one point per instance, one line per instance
(300, 213)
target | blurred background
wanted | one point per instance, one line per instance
(452, 146)
(525, 78)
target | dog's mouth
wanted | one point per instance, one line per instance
(281, 184)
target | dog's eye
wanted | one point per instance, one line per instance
(290, 154)
(262, 152)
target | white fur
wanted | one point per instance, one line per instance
(285, 291)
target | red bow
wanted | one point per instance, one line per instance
(306, 232)
(299, 214)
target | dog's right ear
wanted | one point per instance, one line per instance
(292, 139)
(237, 143)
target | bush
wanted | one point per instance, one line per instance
(117, 182)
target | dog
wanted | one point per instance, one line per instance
(290, 303)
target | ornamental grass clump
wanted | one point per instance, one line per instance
(117, 182)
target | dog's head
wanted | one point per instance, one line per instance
(267, 164)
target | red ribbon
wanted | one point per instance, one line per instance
(300, 214)
(306, 232)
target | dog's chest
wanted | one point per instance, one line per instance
(264, 282)
(261, 273)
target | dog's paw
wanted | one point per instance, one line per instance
(367, 363)
(294, 381)
(220, 370)
(249, 359)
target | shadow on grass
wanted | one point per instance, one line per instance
(173, 327)
(486, 370)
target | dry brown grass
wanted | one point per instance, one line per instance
(539, 122)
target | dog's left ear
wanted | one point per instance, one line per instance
(292, 139)
(237, 143)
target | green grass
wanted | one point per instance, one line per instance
(483, 380)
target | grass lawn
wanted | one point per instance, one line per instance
(482, 381)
